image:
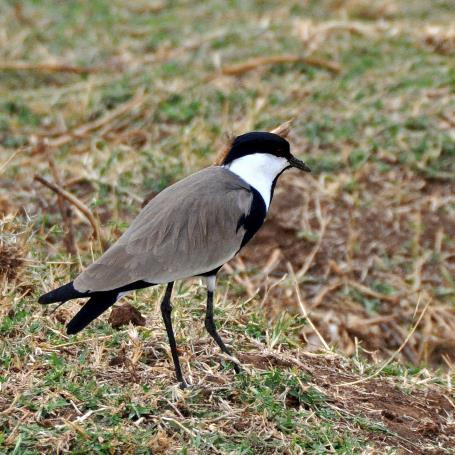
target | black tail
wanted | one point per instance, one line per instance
(91, 310)
(99, 302)
(62, 294)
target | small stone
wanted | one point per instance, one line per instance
(125, 314)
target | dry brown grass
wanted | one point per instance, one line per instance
(347, 251)
(11, 261)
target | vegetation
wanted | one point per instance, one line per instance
(341, 311)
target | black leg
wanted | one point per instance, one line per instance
(210, 323)
(166, 309)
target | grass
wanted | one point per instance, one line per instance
(114, 102)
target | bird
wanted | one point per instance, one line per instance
(190, 229)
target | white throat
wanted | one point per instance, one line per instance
(259, 170)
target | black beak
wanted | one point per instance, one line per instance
(294, 162)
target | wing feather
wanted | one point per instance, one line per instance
(188, 229)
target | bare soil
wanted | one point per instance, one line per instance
(381, 250)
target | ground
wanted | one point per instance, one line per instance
(342, 308)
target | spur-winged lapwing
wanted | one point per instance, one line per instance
(189, 229)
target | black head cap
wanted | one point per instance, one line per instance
(258, 142)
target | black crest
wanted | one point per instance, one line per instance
(258, 142)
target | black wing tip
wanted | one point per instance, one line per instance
(61, 294)
(72, 329)
(97, 305)
(49, 297)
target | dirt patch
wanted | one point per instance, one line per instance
(418, 420)
(366, 249)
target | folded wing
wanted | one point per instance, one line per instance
(190, 228)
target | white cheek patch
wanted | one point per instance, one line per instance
(259, 170)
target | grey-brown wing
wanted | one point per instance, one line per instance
(188, 229)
